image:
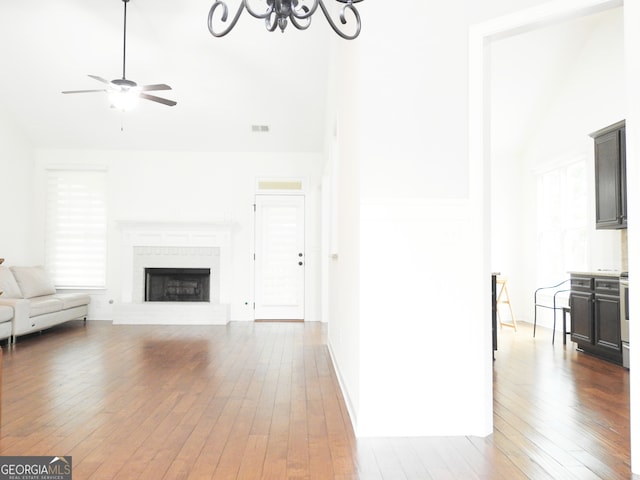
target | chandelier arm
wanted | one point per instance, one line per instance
(225, 16)
(300, 25)
(343, 20)
(271, 22)
(255, 14)
(303, 12)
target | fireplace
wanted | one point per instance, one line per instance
(177, 245)
(177, 284)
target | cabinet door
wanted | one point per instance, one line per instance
(608, 180)
(581, 317)
(607, 322)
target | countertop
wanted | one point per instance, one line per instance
(598, 273)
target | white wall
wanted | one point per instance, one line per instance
(414, 302)
(588, 94)
(16, 193)
(191, 187)
(343, 178)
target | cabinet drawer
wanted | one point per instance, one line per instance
(607, 286)
(581, 283)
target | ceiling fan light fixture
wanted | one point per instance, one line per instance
(124, 99)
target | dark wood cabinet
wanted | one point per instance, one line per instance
(581, 317)
(607, 314)
(595, 316)
(611, 176)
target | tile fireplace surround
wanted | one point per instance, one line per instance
(173, 245)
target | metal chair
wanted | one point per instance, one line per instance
(555, 307)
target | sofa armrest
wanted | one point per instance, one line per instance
(21, 306)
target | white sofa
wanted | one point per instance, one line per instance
(34, 301)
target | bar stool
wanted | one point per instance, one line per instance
(557, 289)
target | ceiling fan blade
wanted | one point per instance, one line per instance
(100, 79)
(159, 86)
(153, 98)
(84, 91)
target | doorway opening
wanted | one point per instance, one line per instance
(481, 37)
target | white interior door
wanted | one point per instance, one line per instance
(279, 257)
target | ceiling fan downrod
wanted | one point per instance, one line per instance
(123, 82)
(124, 44)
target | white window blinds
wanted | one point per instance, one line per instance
(76, 226)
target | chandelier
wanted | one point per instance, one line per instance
(279, 13)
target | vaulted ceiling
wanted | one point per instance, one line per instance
(223, 86)
(530, 70)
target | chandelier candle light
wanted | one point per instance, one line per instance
(279, 12)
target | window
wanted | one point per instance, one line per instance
(562, 221)
(76, 227)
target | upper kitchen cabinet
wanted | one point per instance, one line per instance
(611, 177)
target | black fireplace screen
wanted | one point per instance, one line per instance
(177, 284)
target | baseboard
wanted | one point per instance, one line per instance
(277, 321)
(345, 394)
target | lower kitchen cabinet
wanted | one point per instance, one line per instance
(595, 316)
(582, 317)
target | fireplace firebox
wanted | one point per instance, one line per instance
(177, 284)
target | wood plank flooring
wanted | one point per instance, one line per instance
(261, 401)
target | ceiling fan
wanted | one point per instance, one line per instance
(124, 93)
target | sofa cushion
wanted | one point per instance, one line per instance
(42, 305)
(33, 281)
(8, 284)
(70, 300)
(6, 313)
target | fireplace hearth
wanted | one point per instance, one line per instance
(177, 284)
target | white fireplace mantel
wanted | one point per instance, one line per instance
(166, 233)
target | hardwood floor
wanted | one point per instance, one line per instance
(261, 401)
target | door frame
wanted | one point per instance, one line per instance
(282, 186)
